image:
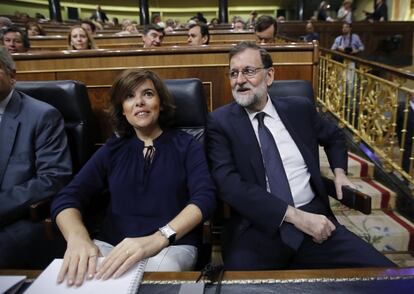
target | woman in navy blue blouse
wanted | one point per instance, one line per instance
(159, 183)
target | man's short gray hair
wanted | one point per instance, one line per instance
(5, 22)
(6, 61)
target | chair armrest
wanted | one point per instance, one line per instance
(352, 198)
(40, 210)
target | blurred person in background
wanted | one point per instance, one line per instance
(34, 29)
(89, 26)
(380, 13)
(15, 40)
(310, 33)
(239, 24)
(265, 29)
(152, 35)
(198, 34)
(80, 39)
(323, 12)
(99, 15)
(345, 11)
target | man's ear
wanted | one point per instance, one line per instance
(13, 76)
(270, 76)
(204, 40)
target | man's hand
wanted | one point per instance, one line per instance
(316, 225)
(341, 180)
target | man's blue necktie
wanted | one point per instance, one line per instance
(277, 179)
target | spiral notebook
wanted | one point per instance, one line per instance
(128, 283)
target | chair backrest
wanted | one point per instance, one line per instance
(191, 111)
(284, 88)
(72, 100)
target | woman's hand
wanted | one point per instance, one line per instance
(81, 253)
(80, 258)
(129, 252)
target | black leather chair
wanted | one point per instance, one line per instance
(191, 111)
(71, 99)
(352, 198)
(282, 88)
(191, 117)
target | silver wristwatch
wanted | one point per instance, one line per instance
(168, 233)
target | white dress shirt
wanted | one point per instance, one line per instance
(293, 162)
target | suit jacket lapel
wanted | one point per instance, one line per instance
(8, 131)
(244, 130)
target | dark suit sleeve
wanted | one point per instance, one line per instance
(53, 168)
(104, 17)
(249, 199)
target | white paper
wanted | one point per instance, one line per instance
(127, 283)
(7, 282)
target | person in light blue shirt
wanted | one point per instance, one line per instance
(348, 42)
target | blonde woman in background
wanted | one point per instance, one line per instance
(80, 39)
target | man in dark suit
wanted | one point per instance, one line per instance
(280, 211)
(99, 15)
(380, 13)
(34, 164)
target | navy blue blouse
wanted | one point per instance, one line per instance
(143, 199)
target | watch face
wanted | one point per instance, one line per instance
(167, 231)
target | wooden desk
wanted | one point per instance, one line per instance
(359, 280)
(346, 273)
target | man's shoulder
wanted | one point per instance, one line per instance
(32, 105)
(292, 100)
(225, 110)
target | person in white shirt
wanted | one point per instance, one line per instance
(345, 11)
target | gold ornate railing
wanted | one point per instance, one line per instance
(373, 102)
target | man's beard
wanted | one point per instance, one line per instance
(252, 98)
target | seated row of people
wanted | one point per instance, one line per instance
(80, 37)
(160, 184)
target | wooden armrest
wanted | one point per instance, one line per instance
(50, 229)
(40, 210)
(352, 198)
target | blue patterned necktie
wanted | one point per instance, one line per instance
(277, 179)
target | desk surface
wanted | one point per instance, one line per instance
(346, 273)
(359, 280)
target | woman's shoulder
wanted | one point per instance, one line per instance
(115, 143)
(181, 139)
(181, 136)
